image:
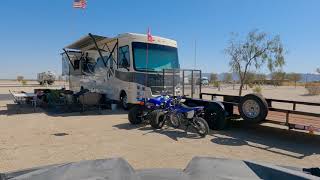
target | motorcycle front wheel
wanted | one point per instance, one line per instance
(174, 120)
(201, 126)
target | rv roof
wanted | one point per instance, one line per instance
(85, 41)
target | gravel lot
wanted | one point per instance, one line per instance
(34, 139)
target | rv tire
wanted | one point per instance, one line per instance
(124, 101)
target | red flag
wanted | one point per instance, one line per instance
(80, 4)
(150, 38)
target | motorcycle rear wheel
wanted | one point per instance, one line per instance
(157, 119)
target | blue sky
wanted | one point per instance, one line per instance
(33, 32)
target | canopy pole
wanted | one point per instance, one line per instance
(99, 51)
(65, 51)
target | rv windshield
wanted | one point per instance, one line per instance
(159, 57)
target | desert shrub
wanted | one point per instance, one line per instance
(250, 85)
(24, 82)
(313, 88)
(257, 89)
(216, 84)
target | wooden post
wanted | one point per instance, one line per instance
(287, 118)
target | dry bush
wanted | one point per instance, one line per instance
(24, 82)
(257, 89)
(216, 84)
(250, 85)
(313, 88)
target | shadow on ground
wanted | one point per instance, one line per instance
(14, 109)
(174, 134)
(293, 144)
(272, 139)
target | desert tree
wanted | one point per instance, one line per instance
(249, 79)
(256, 50)
(278, 77)
(294, 77)
(213, 77)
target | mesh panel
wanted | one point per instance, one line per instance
(182, 82)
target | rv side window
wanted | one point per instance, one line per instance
(124, 57)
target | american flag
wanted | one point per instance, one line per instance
(80, 4)
(149, 36)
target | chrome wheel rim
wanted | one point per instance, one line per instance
(251, 108)
(174, 120)
(200, 127)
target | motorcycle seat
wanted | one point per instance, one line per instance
(192, 108)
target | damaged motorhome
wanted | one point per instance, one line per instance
(125, 67)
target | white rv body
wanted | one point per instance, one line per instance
(125, 73)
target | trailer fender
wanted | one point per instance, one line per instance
(215, 115)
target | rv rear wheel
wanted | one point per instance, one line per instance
(124, 101)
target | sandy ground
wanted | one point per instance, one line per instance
(28, 140)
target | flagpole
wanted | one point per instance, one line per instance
(147, 56)
(195, 54)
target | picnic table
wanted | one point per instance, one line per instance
(24, 97)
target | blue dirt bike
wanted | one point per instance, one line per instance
(145, 110)
(177, 113)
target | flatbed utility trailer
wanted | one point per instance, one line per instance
(236, 107)
(252, 108)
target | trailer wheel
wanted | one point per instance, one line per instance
(253, 108)
(135, 114)
(215, 116)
